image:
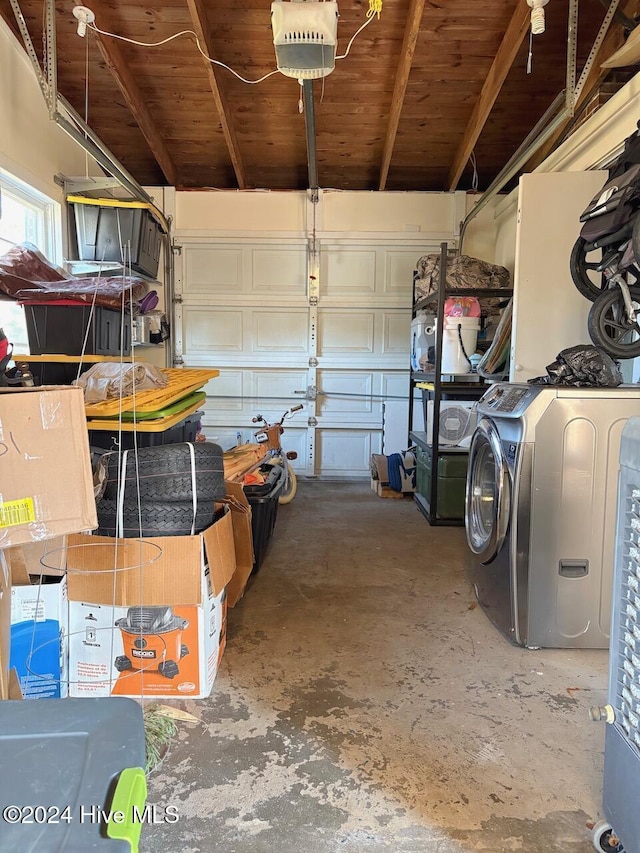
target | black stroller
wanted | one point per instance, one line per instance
(605, 260)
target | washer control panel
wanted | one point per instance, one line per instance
(506, 398)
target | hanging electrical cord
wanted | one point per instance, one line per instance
(530, 54)
(370, 16)
(175, 36)
(86, 103)
(375, 7)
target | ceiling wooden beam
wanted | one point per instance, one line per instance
(411, 32)
(200, 24)
(117, 65)
(515, 33)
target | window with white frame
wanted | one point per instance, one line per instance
(26, 216)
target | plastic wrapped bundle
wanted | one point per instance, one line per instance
(582, 366)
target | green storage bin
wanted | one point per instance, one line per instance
(67, 764)
(452, 479)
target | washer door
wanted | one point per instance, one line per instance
(488, 498)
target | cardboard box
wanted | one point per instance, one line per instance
(379, 470)
(243, 541)
(148, 617)
(38, 649)
(45, 466)
(39, 559)
(384, 490)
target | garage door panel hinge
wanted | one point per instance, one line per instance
(311, 392)
(312, 422)
(177, 300)
(176, 249)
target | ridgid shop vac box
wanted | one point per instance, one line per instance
(148, 617)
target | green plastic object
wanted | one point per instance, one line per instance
(452, 472)
(172, 409)
(129, 799)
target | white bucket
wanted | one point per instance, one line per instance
(453, 357)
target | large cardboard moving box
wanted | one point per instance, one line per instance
(148, 617)
(45, 467)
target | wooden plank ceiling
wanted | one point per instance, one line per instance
(425, 88)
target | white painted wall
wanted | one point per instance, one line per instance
(506, 226)
(481, 234)
(32, 147)
(403, 212)
(416, 217)
(240, 211)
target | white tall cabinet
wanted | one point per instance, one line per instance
(549, 313)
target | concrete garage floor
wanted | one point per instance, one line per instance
(365, 704)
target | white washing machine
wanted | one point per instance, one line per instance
(540, 510)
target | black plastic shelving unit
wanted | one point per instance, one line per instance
(461, 389)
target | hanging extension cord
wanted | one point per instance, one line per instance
(86, 20)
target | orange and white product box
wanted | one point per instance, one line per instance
(148, 617)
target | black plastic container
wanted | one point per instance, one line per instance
(264, 510)
(61, 329)
(53, 373)
(101, 231)
(186, 430)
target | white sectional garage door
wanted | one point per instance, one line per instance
(244, 307)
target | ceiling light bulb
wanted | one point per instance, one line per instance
(83, 16)
(537, 16)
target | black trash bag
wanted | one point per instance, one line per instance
(583, 366)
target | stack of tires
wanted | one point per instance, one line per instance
(158, 487)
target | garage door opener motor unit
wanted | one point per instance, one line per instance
(305, 35)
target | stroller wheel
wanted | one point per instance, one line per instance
(609, 327)
(184, 651)
(168, 668)
(122, 663)
(584, 270)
